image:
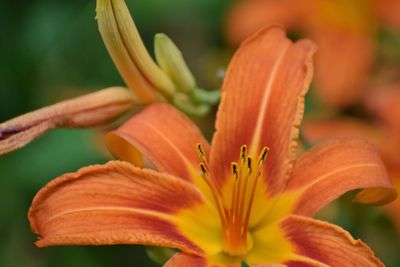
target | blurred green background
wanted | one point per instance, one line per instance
(51, 50)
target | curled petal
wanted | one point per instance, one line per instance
(335, 167)
(319, 243)
(262, 103)
(385, 140)
(115, 203)
(85, 111)
(163, 136)
(123, 42)
(297, 241)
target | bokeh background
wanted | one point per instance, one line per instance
(52, 50)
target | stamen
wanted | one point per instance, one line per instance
(261, 160)
(243, 150)
(235, 219)
(249, 165)
(232, 211)
(234, 169)
(263, 155)
(201, 153)
(246, 174)
(217, 196)
(203, 169)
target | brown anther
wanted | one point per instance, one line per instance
(234, 168)
(249, 165)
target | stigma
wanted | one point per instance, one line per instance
(234, 210)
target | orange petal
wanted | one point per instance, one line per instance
(338, 82)
(335, 167)
(248, 16)
(384, 103)
(162, 135)
(386, 142)
(262, 103)
(85, 111)
(115, 203)
(320, 244)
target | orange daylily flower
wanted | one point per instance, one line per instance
(343, 30)
(384, 105)
(246, 197)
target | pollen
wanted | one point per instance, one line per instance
(235, 210)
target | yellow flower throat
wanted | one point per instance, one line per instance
(234, 211)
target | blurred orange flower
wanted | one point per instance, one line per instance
(343, 29)
(242, 203)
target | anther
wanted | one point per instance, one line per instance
(234, 168)
(201, 152)
(249, 165)
(203, 169)
(263, 155)
(243, 153)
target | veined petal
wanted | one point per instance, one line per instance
(123, 42)
(262, 103)
(115, 203)
(307, 242)
(85, 111)
(335, 167)
(162, 136)
(385, 140)
(248, 16)
(339, 83)
(319, 243)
